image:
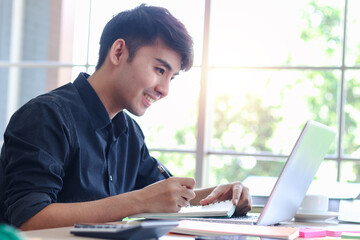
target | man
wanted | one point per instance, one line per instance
(73, 155)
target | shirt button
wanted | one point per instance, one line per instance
(110, 178)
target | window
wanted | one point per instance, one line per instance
(262, 69)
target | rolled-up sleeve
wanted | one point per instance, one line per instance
(35, 146)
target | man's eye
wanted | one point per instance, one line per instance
(161, 71)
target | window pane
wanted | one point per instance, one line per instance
(4, 85)
(42, 31)
(265, 110)
(350, 171)
(327, 171)
(225, 169)
(189, 12)
(352, 35)
(276, 32)
(179, 164)
(81, 31)
(5, 29)
(37, 28)
(171, 122)
(351, 139)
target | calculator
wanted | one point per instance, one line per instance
(132, 230)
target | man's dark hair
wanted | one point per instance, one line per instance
(143, 26)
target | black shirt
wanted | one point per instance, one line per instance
(63, 147)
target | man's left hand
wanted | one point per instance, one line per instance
(236, 191)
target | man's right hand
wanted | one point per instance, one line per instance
(168, 195)
(165, 196)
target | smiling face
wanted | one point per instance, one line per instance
(145, 79)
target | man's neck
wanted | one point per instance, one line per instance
(101, 87)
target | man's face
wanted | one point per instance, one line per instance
(146, 78)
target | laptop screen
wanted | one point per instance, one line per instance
(298, 173)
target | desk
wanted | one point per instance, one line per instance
(64, 233)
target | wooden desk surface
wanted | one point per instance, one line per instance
(64, 233)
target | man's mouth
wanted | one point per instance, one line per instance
(149, 98)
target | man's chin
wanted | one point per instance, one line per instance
(137, 113)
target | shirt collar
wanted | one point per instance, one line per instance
(96, 109)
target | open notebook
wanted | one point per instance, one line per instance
(291, 186)
(219, 209)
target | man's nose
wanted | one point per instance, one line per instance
(163, 87)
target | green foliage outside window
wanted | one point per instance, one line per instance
(257, 121)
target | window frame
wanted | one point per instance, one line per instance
(202, 151)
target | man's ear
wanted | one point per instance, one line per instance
(117, 50)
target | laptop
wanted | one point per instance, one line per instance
(295, 178)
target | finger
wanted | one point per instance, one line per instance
(213, 196)
(237, 191)
(187, 202)
(246, 197)
(244, 207)
(177, 209)
(209, 199)
(243, 210)
(187, 194)
(187, 182)
(218, 194)
(183, 202)
(245, 203)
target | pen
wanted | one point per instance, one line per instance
(167, 175)
(163, 171)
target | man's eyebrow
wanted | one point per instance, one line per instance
(164, 63)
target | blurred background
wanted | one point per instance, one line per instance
(261, 70)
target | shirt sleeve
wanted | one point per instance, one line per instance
(149, 172)
(35, 146)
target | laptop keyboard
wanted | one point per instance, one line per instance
(248, 219)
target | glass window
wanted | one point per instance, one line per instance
(352, 34)
(350, 171)
(81, 21)
(36, 32)
(179, 164)
(328, 171)
(272, 66)
(351, 139)
(225, 169)
(265, 110)
(5, 30)
(280, 32)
